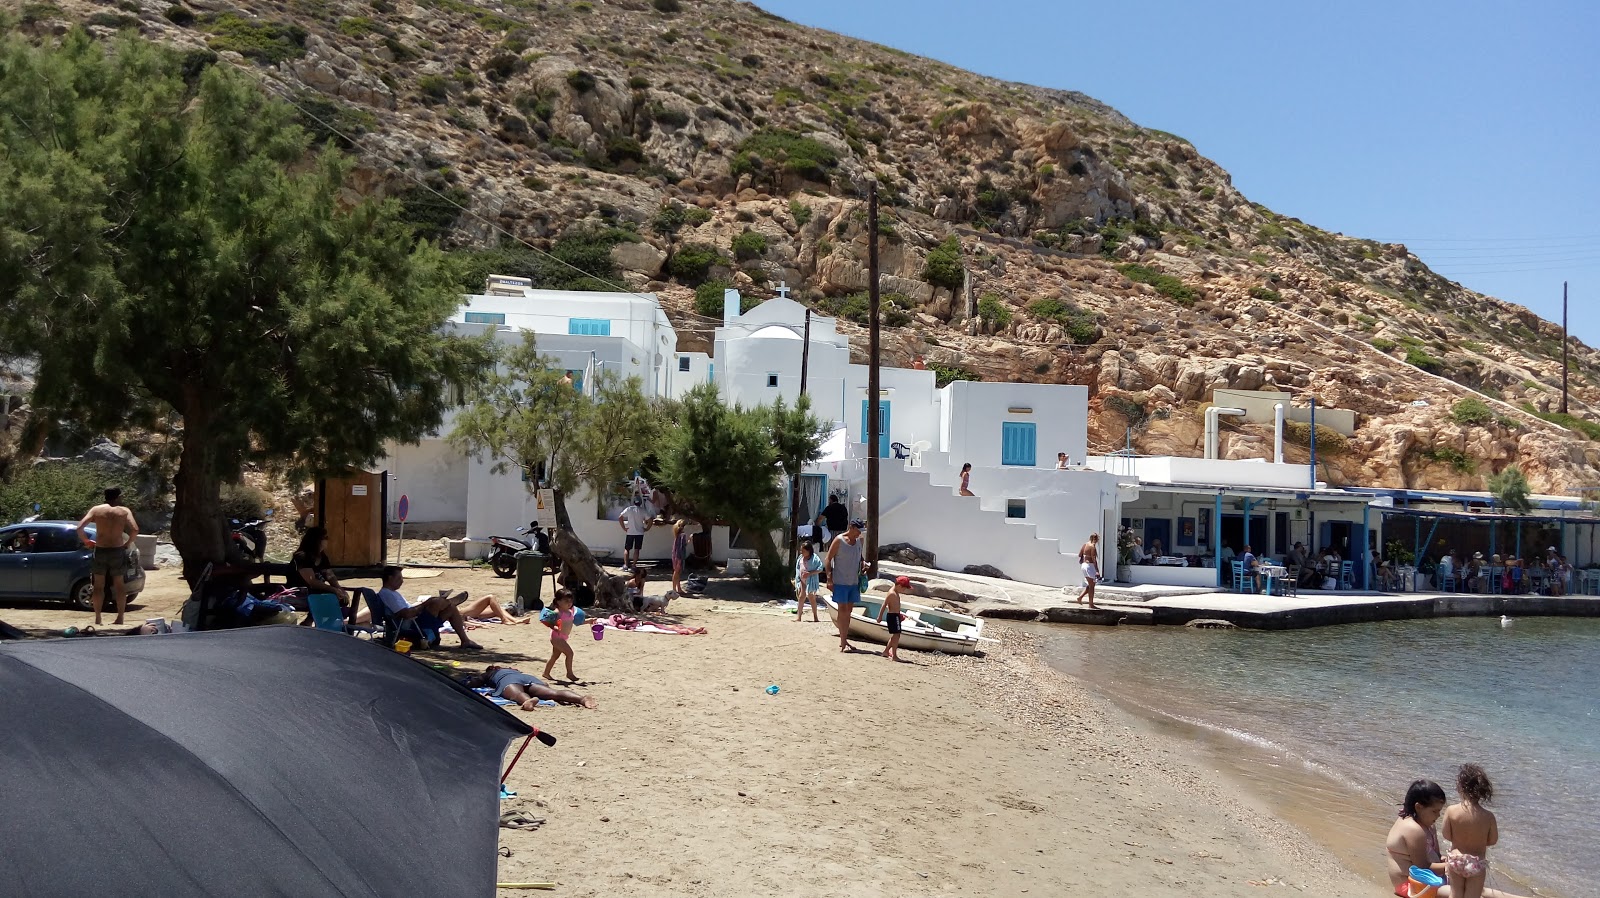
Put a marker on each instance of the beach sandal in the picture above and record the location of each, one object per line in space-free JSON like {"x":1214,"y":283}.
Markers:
{"x":520,"y":820}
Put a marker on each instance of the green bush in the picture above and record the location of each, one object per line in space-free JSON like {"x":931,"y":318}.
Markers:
{"x":668,"y":219}
{"x":708,"y":299}
{"x":434,"y":87}
{"x":1079,"y":324}
{"x":245,"y":502}
{"x":662,"y":114}
{"x":1472,"y":411}
{"x":1383,"y":345}
{"x":943,"y":267}
{"x":1165,"y":284}
{"x":431,"y":212}
{"x":258,"y":39}
{"x":638,"y":82}
{"x":622,"y":149}
{"x":800,"y":211}
{"x":64,"y":491}
{"x":1266,"y":293}
{"x":1455,"y":458}
{"x":580,"y":81}
{"x":749,"y":245}
{"x":695,"y":216}
{"x":501,"y":66}
{"x":788,"y":150}
{"x":993,"y":311}
{"x":691,"y":263}
{"x":944,"y":375}
{"x":1587,"y":428}
{"x":1417,"y":356}
{"x":1128,"y":408}
{"x":328,"y":119}
{"x":356,"y":26}
{"x":1329,"y":441}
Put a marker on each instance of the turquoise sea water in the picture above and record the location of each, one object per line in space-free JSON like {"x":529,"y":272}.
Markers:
{"x":1374,"y":706}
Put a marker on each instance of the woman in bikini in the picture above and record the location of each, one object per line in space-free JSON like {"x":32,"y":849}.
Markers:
{"x":1412,"y":841}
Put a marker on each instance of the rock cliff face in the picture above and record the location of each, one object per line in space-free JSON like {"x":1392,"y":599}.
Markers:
{"x":1086,"y":249}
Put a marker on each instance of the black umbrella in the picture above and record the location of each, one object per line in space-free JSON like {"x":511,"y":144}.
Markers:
{"x":265,"y":761}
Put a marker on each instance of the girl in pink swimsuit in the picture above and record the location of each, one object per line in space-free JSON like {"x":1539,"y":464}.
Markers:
{"x":1471,"y":830}
{"x":561,"y":633}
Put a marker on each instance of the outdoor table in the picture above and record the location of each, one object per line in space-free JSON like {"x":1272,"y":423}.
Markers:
{"x":1272,"y":572}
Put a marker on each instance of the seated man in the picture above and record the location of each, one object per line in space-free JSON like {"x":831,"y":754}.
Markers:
{"x":1136,"y":553}
{"x":524,"y":689}
{"x":1252,"y":568}
{"x":431,"y":614}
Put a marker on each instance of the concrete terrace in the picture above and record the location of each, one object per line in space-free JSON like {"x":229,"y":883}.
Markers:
{"x":1175,"y":606}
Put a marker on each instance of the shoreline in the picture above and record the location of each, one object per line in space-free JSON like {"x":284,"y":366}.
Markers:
{"x":1344,"y":818}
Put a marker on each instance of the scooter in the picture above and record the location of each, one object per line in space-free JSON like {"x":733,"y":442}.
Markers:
{"x":249,"y":539}
{"x":503,"y":554}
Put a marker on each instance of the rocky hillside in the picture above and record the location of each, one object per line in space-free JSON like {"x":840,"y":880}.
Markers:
{"x":1028,"y":234}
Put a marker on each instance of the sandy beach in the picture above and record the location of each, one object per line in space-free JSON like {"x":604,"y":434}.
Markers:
{"x":945,"y":775}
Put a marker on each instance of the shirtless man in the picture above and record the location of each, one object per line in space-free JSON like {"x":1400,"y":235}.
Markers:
{"x":114,"y":530}
{"x":1089,"y":560}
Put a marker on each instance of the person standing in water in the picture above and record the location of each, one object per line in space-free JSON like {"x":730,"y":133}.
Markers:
{"x":114,"y":530}
{"x":1412,"y":841}
{"x":1089,"y":561}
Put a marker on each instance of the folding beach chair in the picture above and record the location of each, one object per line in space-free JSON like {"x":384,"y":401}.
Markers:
{"x":326,"y":612}
{"x":388,"y":630}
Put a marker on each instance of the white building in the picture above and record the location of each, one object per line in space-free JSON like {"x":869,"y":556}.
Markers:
{"x":1026,"y":517}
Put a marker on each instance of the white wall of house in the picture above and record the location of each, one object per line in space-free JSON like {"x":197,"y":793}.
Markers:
{"x":974,"y":414}
{"x":909,"y":396}
{"x":433,"y":478}
{"x":689,"y":370}
{"x":1242,"y":473}
{"x":637,"y":337}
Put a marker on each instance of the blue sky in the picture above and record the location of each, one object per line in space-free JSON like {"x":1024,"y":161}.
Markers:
{"x":1470,"y":131}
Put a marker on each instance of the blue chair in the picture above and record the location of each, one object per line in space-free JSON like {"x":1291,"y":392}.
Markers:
{"x":326,"y":612}
{"x":1347,"y":575}
{"x":1241,"y":583}
{"x":1447,"y":582}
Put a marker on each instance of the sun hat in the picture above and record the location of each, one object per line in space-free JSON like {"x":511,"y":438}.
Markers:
{"x":1477,"y":556}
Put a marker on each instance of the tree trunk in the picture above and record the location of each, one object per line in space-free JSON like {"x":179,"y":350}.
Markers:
{"x":197,"y":516}
{"x":610,"y":590}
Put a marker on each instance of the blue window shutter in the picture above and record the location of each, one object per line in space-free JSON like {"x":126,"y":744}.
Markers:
{"x":864,"y":431}
{"x":486,"y":318}
{"x":589,"y":327}
{"x":1017,"y":441}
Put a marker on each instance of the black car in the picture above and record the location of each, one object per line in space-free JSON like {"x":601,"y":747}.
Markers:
{"x":46,"y":560}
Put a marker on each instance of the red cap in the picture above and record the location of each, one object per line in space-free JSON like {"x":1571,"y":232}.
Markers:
{"x":902,"y":581}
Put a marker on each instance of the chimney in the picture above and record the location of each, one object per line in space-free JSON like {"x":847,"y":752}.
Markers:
{"x":730,"y":306}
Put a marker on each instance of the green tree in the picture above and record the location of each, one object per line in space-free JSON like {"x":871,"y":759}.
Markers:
{"x":1511,"y":490}
{"x":527,"y":416}
{"x":175,"y":247}
{"x":723,"y":463}
{"x":797,"y":437}
{"x":943,"y":267}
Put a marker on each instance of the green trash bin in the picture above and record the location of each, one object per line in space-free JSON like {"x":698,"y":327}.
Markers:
{"x":530,"y":578}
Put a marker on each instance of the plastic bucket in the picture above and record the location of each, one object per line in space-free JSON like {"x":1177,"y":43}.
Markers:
{"x":1423,"y":883}
{"x":599,"y":631}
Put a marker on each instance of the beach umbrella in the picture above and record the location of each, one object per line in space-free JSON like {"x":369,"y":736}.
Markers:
{"x":264,"y":761}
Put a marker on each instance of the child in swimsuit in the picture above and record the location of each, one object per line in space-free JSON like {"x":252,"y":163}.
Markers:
{"x":889,"y":612}
{"x":561,"y":634}
{"x":1471,"y":830}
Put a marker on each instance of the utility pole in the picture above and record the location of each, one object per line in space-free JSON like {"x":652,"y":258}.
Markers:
{"x":874,"y":422}
{"x":794,"y":488}
{"x":1563,"y":347}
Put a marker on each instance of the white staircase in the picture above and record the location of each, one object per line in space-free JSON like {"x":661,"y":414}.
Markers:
{"x":921,"y":506}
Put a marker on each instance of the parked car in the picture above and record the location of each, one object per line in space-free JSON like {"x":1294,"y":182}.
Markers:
{"x":46,"y":560}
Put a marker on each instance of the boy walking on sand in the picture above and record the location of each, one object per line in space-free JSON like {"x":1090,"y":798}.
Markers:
{"x":889,"y":614}
{"x":1089,"y":560}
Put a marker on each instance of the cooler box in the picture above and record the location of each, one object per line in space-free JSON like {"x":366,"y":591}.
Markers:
{"x":530,"y":579}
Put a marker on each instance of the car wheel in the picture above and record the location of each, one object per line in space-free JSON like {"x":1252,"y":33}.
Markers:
{"x":81,"y":596}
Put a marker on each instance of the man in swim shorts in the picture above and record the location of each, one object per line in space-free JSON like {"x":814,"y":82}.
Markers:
{"x":1089,"y":562}
{"x":114,"y":530}
{"x":846,"y":562}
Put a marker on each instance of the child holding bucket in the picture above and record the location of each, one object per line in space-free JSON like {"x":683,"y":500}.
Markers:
{"x":561,"y":632}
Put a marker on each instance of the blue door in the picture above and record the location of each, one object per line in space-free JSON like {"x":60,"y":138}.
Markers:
{"x":1018,"y":443}
{"x":883,"y":425}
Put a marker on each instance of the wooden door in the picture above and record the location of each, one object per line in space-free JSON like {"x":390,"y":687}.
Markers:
{"x":352,"y":508}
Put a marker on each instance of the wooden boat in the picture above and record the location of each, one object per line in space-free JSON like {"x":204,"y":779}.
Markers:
{"x":924,"y":629}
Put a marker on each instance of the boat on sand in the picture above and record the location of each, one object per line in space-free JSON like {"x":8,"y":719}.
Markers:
{"x":925,"y":629}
